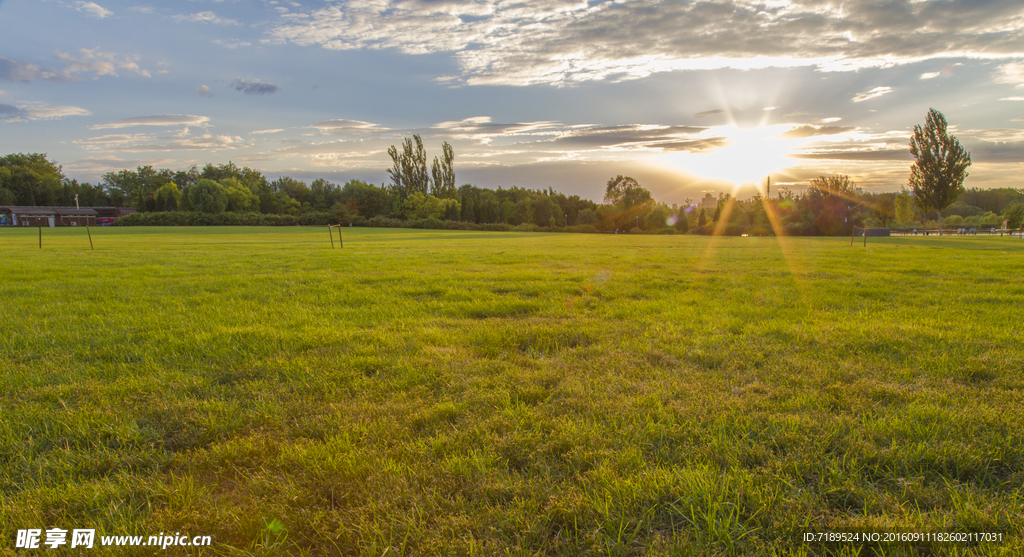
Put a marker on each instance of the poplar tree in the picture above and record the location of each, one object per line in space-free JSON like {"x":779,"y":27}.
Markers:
{"x":937,"y":176}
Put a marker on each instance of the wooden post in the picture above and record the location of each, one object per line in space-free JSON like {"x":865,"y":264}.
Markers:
{"x":865,"y":236}
{"x":339,"y":237}
{"x":90,"y":236}
{"x":852,"y":235}
{"x":331,"y":234}
{"x":40,"y":236}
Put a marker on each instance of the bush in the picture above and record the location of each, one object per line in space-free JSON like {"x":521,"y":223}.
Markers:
{"x":635,"y":230}
{"x":224,"y":219}
{"x":583,"y":228}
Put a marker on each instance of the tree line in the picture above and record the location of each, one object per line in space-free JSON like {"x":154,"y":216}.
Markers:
{"x":831,"y":205}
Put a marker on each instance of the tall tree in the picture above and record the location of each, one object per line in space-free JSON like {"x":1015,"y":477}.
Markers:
{"x":443,"y":173}
{"x":625,"y":190}
{"x":937,"y":176}
{"x":409,"y":168}
{"x":903,"y":206}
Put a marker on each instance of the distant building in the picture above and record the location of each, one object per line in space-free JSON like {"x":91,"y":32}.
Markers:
{"x":708,"y":202}
{"x":59,"y":216}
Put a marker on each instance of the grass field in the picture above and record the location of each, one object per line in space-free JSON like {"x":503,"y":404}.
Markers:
{"x":471,"y":393}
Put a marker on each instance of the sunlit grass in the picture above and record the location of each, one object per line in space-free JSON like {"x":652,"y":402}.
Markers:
{"x":460,"y":393}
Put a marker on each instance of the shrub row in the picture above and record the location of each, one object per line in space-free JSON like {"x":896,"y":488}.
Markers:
{"x":183,"y":218}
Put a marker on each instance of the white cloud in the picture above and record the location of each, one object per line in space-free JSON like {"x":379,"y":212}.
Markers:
{"x":556,"y":42}
{"x":1012,"y":99}
{"x":872,"y":94}
{"x":101,"y":63}
{"x":206,"y":17}
{"x":1011,"y":73}
{"x":347,"y":127}
{"x":261,"y":132}
{"x":93,"y":9}
{"x":231,"y":44}
{"x":930,"y":75}
{"x":204,"y":91}
{"x":27,"y":112}
{"x":161,"y":120}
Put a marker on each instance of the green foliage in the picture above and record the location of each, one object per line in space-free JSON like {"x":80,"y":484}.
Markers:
{"x":1015,"y":215}
{"x":207,"y":196}
{"x":940,"y":167}
{"x":443,"y":174}
{"x":409,"y":169}
{"x":31,"y":179}
{"x":167,"y":198}
{"x":625,"y":191}
{"x":682,"y":220}
{"x":240,"y":199}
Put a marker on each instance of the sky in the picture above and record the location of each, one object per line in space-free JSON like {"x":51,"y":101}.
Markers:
{"x":688,"y":97}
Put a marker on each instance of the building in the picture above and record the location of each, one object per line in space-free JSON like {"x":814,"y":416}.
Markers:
{"x":709,"y":203}
{"x":59,"y":216}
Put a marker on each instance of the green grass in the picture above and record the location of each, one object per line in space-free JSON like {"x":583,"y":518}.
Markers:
{"x":470,"y":393}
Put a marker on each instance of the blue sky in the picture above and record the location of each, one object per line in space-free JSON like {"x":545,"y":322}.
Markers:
{"x":685,"y":96}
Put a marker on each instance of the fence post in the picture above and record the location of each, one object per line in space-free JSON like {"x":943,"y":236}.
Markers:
{"x":90,"y":237}
{"x":40,"y":236}
{"x":852,"y":234}
{"x":331,"y":234}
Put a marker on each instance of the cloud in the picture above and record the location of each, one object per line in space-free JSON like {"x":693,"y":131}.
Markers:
{"x":93,"y":9}
{"x":38,"y":111}
{"x":139,"y":143}
{"x":801,"y":132}
{"x":707,"y":113}
{"x":874,"y":93}
{"x":261,"y":132}
{"x":205,"y":17}
{"x":161,"y":120}
{"x":204,"y":91}
{"x":635,"y":136}
{"x":1011,"y":73}
{"x":254,"y":87}
{"x":100,"y":63}
{"x":11,"y":70}
{"x":857,"y":155}
{"x":560,"y":43}
{"x":930,"y":75}
{"x":1012,"y":99}
{"x":347,"y":127}
{"x":232,"y":44}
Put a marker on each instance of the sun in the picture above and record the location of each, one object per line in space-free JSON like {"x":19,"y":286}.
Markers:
{"x":738,"y":156}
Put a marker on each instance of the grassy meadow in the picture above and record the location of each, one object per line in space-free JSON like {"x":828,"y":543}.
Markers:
{"x":472,"y":393}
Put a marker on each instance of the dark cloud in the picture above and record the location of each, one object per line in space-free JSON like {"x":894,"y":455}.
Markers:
{"x":1004,"y":151}
{"x":632,"y":135}
{"x":858,"y":155}
{"x":556,"y":42}
{"x":11,"y":113}
{"x":707,"y":113}
{"x":254,"y":87}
